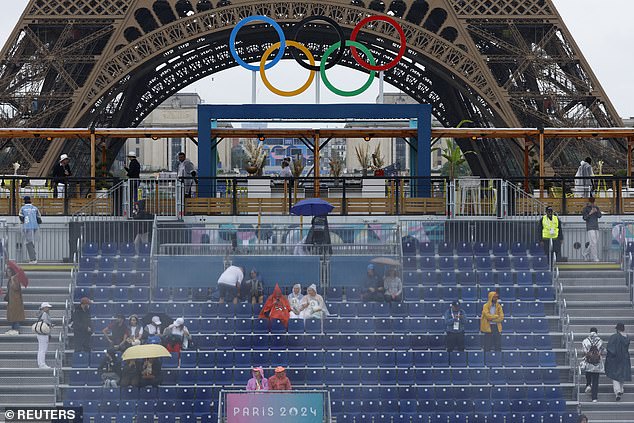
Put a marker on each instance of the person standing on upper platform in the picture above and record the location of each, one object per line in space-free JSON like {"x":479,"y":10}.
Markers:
{"x":61,"y":171}
{"x":31,"y":219}
{"x":550,"y":230}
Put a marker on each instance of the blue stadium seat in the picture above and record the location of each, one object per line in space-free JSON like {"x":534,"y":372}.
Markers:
{"x":536,"y":249}
{"x":543,"y":278}
{"x":502,"y":263}
{"x":125,"y":264}
{"x":507,"y":293}
{"x":106,"y":264}
{"x":334,"y":293}
{"x":458,"y":359}
{"x":481,"y":249}
{"x":526,"y":293}
{"x":500,"y":249}
{"x":446,"y":263}
{"x":410,"y":278}
{"x":426,"y":249}
{"x":143,"y":263}
{"x":81,"y":360}
{"x":120,"y":294}
{"x":445,"y":249}
{"x":505,"y":278}
{"x":101,"y":295}
{"x":180,"y":294}
{"x":464,"y":249}
{"x":464,"y":264}
{"x":127,"y":279}
{"x":429,"y":278}
{"x":441,"y":377}
{"x":483,"y":264}
{"x":448,"y":278}
{"x":469,"y":293}
{"x":413,"y":293}
{"x":144,"y":249}
{"x":524,"y":278}
{"x":127,"y":249}
{"x":87,"y":264}
{"x":460,"y":377}
{"x":518,"y":249}
{"x":545,"y":293}
{"x":410,"y":263}
{"x":109,"y":249}
{"x":540,"y":263}
{"x":521,"y":263}
{"x":467,"y":278}
{"x":426,"y":264}
{"x":410,"y":246}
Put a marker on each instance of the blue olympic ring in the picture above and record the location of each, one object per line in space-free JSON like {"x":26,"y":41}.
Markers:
{"x":234,"y":33}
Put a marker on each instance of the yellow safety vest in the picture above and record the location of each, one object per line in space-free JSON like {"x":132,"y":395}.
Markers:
{"x":548,"y":225}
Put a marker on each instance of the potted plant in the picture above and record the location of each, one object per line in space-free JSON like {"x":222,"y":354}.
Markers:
{"x":256,"y":156}
{"x":363,"y":156}
{"x":336,"y":166}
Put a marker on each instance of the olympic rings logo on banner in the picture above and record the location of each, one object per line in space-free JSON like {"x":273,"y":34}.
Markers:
{"x":331,"y":57}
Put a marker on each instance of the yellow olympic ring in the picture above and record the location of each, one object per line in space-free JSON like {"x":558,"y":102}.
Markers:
{"x":270,"y":86}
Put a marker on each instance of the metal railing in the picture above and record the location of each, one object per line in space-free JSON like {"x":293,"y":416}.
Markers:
{"x":51,"y":242}
{"x":568,"y":339}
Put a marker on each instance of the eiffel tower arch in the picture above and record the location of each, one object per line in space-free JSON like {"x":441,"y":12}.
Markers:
{"x":499,"y":63}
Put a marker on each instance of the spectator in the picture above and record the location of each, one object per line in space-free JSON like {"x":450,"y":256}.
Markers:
{"x":258,"y":382}
{"x":279,"y":381}
{"x":15,"y":305}
{"x":176,"y":336}
{"x":550,"y":230}
{"x":187,"y":173}
{"x":43,"y":338}
{"x":295,"y":299}
{"x":393,"y":286}
{"x":61,"y":172}
{"x":583,"y":178}
{"x":151,"y":372}
{"x":133,"y":172}
{"x":110,"y":369}
{"x":130,"y":375}
{"x":455,"y":320}
{"x":81,"y":323}
{"x":491,"y":323}
{"x":135,"y":332}
{"x":229,"y":284}
{"x":152,"y":331}
{"x":31,"y":220}
{"x":374,"y":287}
{"x":117,"y":332}
{"x":276,"y":307}
{"x":617,"y":363}
{"x":313,"y":305}
{"x":286,"y":169}
{"x":253,"y":289}
{"x":583,"y":419}
{"x":592,"y":362}
{"x":592,"y":214}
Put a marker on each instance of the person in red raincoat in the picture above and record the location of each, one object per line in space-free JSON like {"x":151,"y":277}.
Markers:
{"x":276,"y":307}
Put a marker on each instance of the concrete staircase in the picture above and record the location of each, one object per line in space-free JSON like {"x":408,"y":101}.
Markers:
{"x":21,"y":381}
{"x":596,"y":295}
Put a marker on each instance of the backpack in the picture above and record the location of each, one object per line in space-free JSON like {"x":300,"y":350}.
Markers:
{"x":593,"y":356}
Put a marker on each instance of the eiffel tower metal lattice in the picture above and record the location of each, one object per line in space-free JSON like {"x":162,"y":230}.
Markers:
{"x":504,"y":63}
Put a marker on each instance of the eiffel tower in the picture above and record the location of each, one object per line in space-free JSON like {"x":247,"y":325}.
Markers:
{"x":109,"y":63}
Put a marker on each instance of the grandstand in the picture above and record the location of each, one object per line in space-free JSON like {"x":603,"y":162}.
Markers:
{"x":380,"y":362}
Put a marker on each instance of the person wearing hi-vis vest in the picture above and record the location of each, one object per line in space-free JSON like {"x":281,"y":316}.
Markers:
{"x":550,"y":229}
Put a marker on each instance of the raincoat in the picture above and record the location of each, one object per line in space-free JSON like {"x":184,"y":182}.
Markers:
{"x":276,"y":307}
{"x":487,"y":317}
{"x":258,"y":385}
{"x":617,"y":364}
{"x":294,"y":300}
{"x":313,"y":307}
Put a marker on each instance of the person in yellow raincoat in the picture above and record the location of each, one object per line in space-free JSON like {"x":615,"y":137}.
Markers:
{"x":491,"y":323}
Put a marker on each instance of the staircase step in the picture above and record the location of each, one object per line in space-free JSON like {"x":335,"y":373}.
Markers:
{"x":41,"y":400}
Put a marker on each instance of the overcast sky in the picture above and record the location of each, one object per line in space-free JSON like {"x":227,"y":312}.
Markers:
{"x":602,"y":29}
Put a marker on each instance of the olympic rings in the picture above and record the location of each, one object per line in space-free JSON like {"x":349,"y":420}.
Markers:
{"x":336,"y":90}
{"x":337,"y":28}
{"x":325,"y":63}
{"x":401,"y":51}
{"x":243,"y":22}
{"x":301,"y":89}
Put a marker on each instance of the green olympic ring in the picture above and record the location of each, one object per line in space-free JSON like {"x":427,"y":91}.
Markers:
{"x":324,"y":77}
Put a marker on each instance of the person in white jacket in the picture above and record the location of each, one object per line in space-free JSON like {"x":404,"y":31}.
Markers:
{"x":42,"y":340}
{"x":593,"y":362}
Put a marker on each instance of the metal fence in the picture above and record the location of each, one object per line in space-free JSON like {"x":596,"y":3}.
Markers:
{"x":52,"y":243}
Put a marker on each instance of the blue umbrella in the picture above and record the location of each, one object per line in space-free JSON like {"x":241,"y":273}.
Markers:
{"x":312,"y":207}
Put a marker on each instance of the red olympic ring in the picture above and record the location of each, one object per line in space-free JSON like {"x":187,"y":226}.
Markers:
{"x":401,"y":51}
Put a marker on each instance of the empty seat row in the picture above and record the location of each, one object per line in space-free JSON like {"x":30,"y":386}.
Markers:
{"x":132,"y":278}
{"x":412,"y":247}
{"x":112,"y":249}
{"x":332,"y":359}
{"x":473,"y":278}
{"x":477,"y":263}
{"x":109,"y":264}
{"x":506,"y":293}
{"x":349,"y":377}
